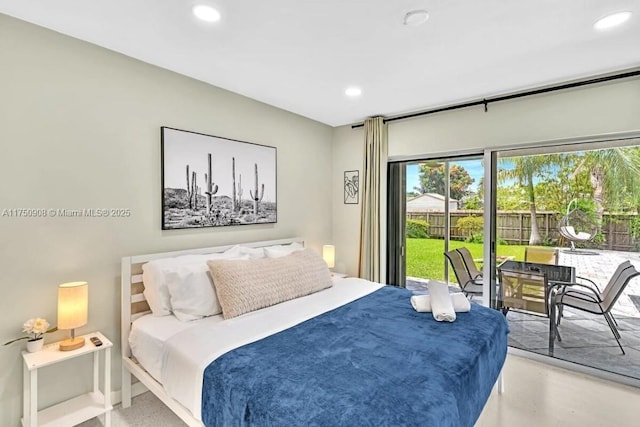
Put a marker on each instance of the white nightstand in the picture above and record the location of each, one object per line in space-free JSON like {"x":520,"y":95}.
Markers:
{"x":76,"y":410}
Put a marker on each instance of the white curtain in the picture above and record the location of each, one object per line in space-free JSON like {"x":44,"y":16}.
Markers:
{"x":374,"y":173}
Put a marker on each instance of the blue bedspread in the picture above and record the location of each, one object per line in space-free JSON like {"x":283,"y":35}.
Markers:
{"x":373,"y":362}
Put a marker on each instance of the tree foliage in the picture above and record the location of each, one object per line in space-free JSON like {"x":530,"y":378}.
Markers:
{"x":524,"y":170}
{"x":432,"y":180}
{"x":614,"y":174}
{"x":555,"y":191}
{"x":600,"y":180}
{"x":472,"y":202}
{"x":511,"y":198}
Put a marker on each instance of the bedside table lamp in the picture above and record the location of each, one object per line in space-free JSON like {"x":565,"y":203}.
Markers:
{"x":329,"y":255}
{"x":73,"y":304}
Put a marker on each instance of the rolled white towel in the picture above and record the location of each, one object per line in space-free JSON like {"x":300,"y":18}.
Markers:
{"x":422,"y":303}
{"x":441,"y":306}
{"x":460,"y":302}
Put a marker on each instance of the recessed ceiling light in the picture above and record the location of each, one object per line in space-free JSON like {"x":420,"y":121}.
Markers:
{"x":206,"y":13}
{"x":416,"y":17}
{"x":612,"y":20}
{"x":353,"y":91}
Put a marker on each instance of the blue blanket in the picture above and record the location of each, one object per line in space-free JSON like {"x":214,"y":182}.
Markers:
{"x":373,"y":362}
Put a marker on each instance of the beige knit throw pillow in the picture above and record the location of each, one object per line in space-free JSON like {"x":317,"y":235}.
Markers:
{"x":244,"y":286}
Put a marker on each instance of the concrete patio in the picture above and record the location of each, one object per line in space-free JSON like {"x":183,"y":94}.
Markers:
{"x":586,"y":338}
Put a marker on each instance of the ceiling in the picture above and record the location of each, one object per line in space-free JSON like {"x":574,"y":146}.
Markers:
{"x":300,"y":55}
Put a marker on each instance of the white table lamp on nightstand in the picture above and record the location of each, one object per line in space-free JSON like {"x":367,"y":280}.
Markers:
{"x":73,"y":305}
{"x":329,"y":255}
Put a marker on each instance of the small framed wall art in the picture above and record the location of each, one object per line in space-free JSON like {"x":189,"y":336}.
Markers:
{"x":351,"y":187}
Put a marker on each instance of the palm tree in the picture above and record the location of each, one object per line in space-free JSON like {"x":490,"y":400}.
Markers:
{"x":524,"y":169}
{"x":614,"y":174}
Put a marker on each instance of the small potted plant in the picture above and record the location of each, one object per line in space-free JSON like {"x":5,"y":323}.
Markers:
{"x":36,"y":328}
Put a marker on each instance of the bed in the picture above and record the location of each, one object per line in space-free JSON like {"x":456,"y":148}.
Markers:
{"x":355,"y":353}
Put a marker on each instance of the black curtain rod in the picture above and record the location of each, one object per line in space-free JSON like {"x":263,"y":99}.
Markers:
{"x":486,"y":101}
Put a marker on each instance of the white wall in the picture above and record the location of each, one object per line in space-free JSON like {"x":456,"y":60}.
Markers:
{"x":80,"y":128}
{"x":608,"y":108}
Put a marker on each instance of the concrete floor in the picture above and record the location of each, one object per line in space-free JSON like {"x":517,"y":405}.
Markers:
{"x":586,"y":338}
{"x":537,"y":394}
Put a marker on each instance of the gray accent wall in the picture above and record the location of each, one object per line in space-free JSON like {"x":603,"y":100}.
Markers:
{"x":80,"y":128}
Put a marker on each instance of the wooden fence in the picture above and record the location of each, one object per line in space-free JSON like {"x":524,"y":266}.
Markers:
{"x":514,"y":227}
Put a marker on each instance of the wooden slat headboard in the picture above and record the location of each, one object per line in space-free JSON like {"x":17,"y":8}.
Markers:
{"x":134,"y":304}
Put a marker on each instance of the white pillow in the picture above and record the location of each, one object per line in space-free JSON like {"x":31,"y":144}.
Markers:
{"x":155,"y":287}
{"x":239,"y":250}
{"x":278,"y":251}
{"x":191,"y":292}
{"x":155,"y":281}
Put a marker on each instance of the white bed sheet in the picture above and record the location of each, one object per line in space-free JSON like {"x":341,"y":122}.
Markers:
{"x":187,"y":352}
{"x":149,"y":335}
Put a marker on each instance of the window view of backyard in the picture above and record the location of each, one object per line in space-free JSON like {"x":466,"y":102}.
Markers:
{"x":572,"y":216}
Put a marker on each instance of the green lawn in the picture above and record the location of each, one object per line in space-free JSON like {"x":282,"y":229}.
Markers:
{"x":425,"y":257}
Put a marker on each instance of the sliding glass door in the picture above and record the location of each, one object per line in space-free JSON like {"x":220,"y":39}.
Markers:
{"x":434,"y":205}
{"x":567,"y":214}
{"x":536,"y":220}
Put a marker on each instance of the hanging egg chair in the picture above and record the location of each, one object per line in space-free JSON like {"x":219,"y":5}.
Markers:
{"x":577,"y":226}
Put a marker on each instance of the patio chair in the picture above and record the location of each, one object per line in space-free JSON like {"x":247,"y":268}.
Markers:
{"x":579,"y":219}
{"x":587,"y":297}
{"x":469,"y":286}
{"x":470,"y":265}
{"x":569,"y":233}
{"x":524,"y":291}
{"x":541,"y":255}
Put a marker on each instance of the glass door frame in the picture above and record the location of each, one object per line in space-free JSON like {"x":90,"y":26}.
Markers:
{"x":489,"y":269}
{"x":396,"y":248}
{"x":490,"y":208}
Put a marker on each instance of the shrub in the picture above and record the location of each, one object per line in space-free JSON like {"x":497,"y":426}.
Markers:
{"x":475,"y":238}
{"x":417,"y":229}
{"x":634,"y":226}
{"x":471,"y":227}
{"x":549,"y":241}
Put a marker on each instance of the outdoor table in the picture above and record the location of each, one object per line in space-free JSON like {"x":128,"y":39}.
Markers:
{"x":556,"y":276}
{"x":500,"y":260}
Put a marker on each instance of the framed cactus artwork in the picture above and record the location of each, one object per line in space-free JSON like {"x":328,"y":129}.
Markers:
{"x":210,"y":181}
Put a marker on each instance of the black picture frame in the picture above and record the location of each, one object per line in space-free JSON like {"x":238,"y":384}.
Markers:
{"x":211,"y":181}
{"x":351,"y":187}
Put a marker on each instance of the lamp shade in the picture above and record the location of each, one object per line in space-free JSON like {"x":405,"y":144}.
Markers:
{"x":329,"y":255}
{"x":73,"y":305}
